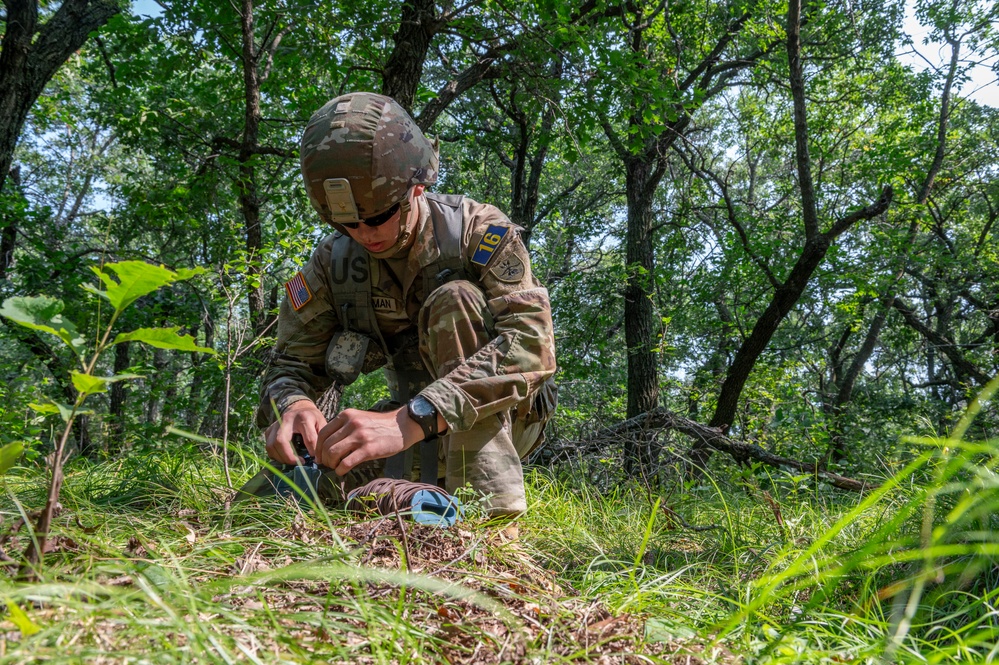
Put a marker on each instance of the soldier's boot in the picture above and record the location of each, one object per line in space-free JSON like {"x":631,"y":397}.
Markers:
{"x":455,"y":325}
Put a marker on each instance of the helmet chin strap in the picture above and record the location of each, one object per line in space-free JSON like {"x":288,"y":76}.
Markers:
{"x":405,"y":233}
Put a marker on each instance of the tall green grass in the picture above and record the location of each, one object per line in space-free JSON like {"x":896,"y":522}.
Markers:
{"x":908,"y":572}
{"x":769,"y":567}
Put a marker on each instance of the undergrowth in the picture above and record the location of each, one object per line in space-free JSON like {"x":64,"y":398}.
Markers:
{"x":149,"y":564}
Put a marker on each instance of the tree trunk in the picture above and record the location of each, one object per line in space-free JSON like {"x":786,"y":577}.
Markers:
{"x":116,"y":403}
{"x":249,"y":201}
{"x":155,"y":402}
{"x":8,"y":224}
{"x":845,"y":383}
{"x":782,"y":302}
{"x":814,"y":251}
{"x":404,"y":67}
{"x":31,"y":55}
{"x":639,"y":317}
{"x":947,"y":346}
{"x":198,"y":369}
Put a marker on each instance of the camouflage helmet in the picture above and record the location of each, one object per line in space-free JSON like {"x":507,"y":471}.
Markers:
{"x":360,"y":154}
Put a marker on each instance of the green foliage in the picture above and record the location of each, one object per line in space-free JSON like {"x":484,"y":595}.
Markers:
{"x":135,"y":279}
{"x":45,"y":314}
{"x":9,"y":454}
{"x":134,"y":153}
{"x":162,"y":338}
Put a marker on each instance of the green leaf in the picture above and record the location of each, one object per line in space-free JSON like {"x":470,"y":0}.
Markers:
{"x":21,"y":620}
{"x":137,"y":279}
{"x":44,"y":409}
{"x":90,"y":288}
{"x":162,"y":338}
{"x":88,"y":384}
{"x":122,"y":377}
{"x":52,"y":408}
{"x":9,"y":454}
{"x":187,"y":273}
{"x":43,"y":313}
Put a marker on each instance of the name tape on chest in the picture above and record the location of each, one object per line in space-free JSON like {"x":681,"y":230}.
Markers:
{"x":383,"y":304}
{"x":490,"y":241}
{"x":298,"y":291}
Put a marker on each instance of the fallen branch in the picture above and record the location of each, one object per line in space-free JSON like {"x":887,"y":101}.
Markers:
{"x":713,"y":437}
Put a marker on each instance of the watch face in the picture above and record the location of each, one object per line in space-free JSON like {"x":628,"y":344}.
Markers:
{"x":422,"y":408}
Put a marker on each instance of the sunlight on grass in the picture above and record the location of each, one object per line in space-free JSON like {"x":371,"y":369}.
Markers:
{"x":146,"y":560}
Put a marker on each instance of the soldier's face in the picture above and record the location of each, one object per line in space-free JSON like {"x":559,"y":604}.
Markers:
{"x":381,"y":238}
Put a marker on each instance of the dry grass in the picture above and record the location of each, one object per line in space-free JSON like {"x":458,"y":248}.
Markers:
{"x":375,"y":591}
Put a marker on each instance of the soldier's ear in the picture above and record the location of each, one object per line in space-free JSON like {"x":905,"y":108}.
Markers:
{"x":418,"y":190}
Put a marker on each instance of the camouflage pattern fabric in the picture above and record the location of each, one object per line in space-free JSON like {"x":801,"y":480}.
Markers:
{"x":459,"y":339}
{"x":340,"y":141}
{"x":487,"y":348}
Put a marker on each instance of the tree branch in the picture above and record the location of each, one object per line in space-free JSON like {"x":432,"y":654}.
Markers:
{"x":712,"y":436}
{"x":867,"y":212}
{"x":946,"y":346}
{"x":810,"y":215}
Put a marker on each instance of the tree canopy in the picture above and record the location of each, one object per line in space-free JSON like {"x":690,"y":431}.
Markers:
{"x":753,"y":215}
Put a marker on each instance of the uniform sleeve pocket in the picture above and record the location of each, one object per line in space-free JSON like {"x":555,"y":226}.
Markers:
{"x":318,"y":302}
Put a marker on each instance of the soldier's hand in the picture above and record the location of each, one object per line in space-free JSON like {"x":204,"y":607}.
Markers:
{"x":302,"y":417}
{"x":354,"y":436}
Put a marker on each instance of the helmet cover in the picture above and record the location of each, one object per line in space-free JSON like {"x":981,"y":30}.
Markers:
{"x":372,"y":142}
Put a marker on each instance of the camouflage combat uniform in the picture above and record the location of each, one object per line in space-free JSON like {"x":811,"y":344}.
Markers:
{"x":480,"y":348}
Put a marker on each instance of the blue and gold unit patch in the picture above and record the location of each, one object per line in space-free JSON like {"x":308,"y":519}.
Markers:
{"x":298,"y":291}
{"x":487,"y":246}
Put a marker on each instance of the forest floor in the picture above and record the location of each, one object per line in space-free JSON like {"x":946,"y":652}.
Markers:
{"x":148,"y":567}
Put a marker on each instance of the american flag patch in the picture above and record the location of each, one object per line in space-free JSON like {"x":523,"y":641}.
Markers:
{"x":298,"y":291}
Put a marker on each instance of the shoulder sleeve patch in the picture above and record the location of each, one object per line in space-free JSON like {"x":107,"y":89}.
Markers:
{"x":490,"y":241}
{"x":298,"y":291}
{"x":510,"y":269}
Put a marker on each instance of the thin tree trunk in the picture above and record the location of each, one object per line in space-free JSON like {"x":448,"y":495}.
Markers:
{"x":154,"y":406}
{"x":947,"y":347}
{"x":639,"y":316}
{"x":9,"y":225}
{"x":198,"y":369}
{"x":116,"y":405}
{"x":249,"y":201}
{"x":846,"y":383}
{"x":813,"y":253}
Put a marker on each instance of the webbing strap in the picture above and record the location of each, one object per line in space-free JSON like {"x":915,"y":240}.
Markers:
{"x":400,"y":464}
{"x":351,"y":280}
{"x":428,"y":460}
{"x":445,"y":213}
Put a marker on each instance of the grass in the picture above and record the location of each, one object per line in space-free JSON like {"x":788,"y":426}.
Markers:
{"x":148,"y":566}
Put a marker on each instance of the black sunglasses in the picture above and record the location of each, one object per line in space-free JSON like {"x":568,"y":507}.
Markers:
{"x":375,"y":221}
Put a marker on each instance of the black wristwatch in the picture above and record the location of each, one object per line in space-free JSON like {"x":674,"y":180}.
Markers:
{"x":425,"y":414}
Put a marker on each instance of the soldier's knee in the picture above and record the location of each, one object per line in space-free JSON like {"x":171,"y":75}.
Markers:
{"x":455,"y":322}
{"x":459,"y":295}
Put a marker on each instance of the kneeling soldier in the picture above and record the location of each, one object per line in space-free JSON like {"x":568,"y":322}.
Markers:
{"x":436,"y":289}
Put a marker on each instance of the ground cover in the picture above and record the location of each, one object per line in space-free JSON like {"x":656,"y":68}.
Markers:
{"x":148,"y":565}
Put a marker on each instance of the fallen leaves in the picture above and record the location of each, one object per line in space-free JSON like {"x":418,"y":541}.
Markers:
{"x":531,"y":615}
